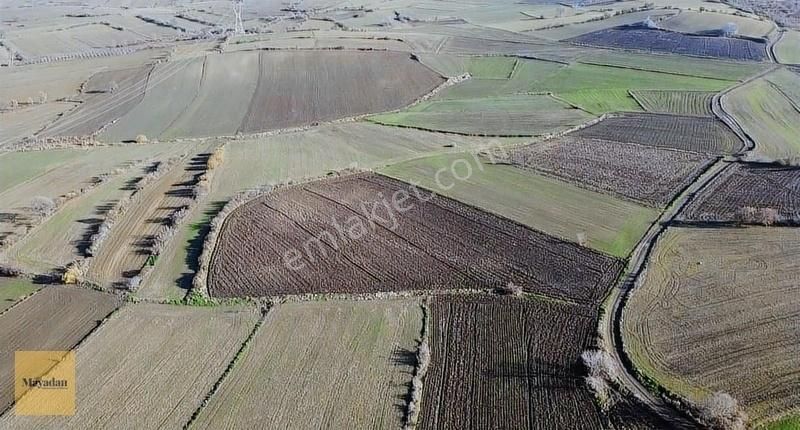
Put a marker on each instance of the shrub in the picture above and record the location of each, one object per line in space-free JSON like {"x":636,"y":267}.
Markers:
{"x":141,"y":138}
{"x":133,"y":283}
{"x":511,"y":289}
{"x":43,"y":206}
{"x":215,"y":159}
{"x":73,"y":274}
{"x":10,"y":271}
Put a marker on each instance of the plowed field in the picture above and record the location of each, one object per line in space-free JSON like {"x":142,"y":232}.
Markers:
{"x":301,"y":240}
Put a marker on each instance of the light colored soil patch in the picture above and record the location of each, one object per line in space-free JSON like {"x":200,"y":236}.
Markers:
{"x":152,"y":364}
{"x":717,"y":311}
{"x":322,"y":364}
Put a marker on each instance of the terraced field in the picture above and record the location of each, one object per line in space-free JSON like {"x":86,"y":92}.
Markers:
{"x":351,"y":367}
{"x":27,"y":121}
{"x":602,"y":222}
{"x":717,"y":311}
{"x":158,"y":361}
{"x":53,"y":319}
{"x":687,"y":133}
{"x":348,"y":235}
{"x":787,"y":50}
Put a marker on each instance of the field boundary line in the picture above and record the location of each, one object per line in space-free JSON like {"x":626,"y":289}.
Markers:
{"x":75,"y":348}
{"x":229,"y":368}
{"x":611,"y":321}
{"x":24,"y":298}
{"x":643,"y":69}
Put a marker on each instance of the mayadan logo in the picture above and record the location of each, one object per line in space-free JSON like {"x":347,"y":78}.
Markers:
{"x":52,"y":383}
{"x":44,"y":383}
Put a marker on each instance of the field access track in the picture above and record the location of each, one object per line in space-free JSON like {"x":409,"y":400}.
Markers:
{"x":301,"y":240}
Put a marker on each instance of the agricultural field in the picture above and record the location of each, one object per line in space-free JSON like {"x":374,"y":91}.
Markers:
{"x":342,"y":235}
{"x":12,"y":290}
{"x":654,"y":40}
{"x":129,"y":244}
{"x":603,"y":89}
{"x":341,"y":84}
{"x":649,"y":175}
{"x":53,"y":319}
{"x":717,"y":311}
{"x":514,"y":361}
{"x":63,"y":79}
{"x":66,"y":235}
{"x":509,"y":116}
{"x":105,"y":97}
{"x":692,"y":103}
{"x":770,"y":118}
{"x":555,"y":207}
{"x":718,"y":69}
{"x":574,"y":30}
{"x":687,"y":133}
{"x":402,"y":213}
{"x":64,"y":175}
{"x":747,"y":188}
{"x":787,"y":50}
{"x":715,"y":23}
{"x":28,"y":120}
{"x":477,"y":67}
{"x":524,"y":75}
{"x":250,"y":163}
{"x":155,"y":363}
{"x":351,"y":368}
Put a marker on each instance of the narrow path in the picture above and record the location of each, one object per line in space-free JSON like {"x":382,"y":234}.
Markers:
{"x":610,"y":324}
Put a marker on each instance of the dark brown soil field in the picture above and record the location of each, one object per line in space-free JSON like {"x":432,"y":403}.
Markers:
{"x":508,"y":363}
{"x":299,"y":88}
{"x":670,"y":131}
{"x":299,"y":240}
{"x":663,"y":41}
{"x":54,"y":319}
{"x":750,"y":185}
{"x":646,"y":174}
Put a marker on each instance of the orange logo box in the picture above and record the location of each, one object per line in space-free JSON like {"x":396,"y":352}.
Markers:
{"x":44,"y":382}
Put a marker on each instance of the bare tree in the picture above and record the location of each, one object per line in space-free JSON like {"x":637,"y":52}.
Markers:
{"x":721,"y":411}
{"x":141,"y":138}
{"x":42,"y":97}
{"x":730,"y":29}
{"x":43,"y":206}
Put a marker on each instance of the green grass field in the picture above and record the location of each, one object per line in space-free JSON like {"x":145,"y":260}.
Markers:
{"x":675,"y":64}
{"x":478,"y":67}
{"x":525,"y":74}
{"x":697,"y":103}
{"x":610,"y":225}
{"x":18,"y":167}
{"x":518,"y":115}
{"x":578,"y":82}
{"x":13,"y":289}
{"x":788,"y":49}
{"x":768,"y":116}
